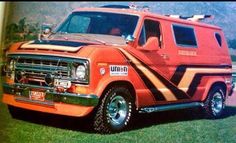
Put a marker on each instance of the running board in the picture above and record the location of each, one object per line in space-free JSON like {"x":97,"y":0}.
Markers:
{"x":170,"y":107}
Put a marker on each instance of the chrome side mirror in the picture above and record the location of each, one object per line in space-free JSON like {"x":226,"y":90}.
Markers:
{"x":129,"y":39}
{"x":45,"y":31}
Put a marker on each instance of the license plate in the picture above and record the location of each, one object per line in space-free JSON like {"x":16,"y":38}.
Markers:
{"x":37,"y":95}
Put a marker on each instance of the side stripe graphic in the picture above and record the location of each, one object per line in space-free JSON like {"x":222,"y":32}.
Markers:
{"x":53,"y":45}
{"x":180,"y":71}
{"x":178,"y":75}
{"x":191,"y":72}
{"x":157,"y":94}
{"x":197,"y":79}
{"x":183,"y":83}
{"x":169,"y":96}
{"x":176,"y":91}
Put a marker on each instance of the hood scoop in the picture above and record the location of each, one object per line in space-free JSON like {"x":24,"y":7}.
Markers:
{"x":69,"y":46}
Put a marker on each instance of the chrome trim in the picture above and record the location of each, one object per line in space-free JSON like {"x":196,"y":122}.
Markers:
{"x":40,"y":54}
{"x":22,"y":91}
{"x":168,"y":107}
{"x":117,"y":110}
{"x":24,"y":99}
{"x":60,"y":66}
{"x":217,"y":103}
{"x":31,"y":86}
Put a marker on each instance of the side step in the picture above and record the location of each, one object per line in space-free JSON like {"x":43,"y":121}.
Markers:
{"x":170,"y":107}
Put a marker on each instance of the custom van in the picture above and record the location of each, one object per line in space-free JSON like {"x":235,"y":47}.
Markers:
{"x":115,"y":61}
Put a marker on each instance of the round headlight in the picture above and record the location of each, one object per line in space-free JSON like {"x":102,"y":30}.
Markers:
{"x":11,"y":65}
{"x":10,"y":69}
{"x":80,"y":72}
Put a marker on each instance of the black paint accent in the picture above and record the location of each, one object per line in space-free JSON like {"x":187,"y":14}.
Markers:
{"x":156,"y":93}
{"x":178,"y":75}
{"x":180,"y":71}
{"x":175,"y":90}
{"x":59,"y":43}
{"x":197,"y":80}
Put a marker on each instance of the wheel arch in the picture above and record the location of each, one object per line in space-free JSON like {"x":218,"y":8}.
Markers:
{"x":215,"y":84}
{"x":120,"y":83}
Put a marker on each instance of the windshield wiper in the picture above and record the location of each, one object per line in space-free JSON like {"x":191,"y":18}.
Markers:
{"x":91,"y":39}
{"x":100,"y":41}
{"x":84,"y":37}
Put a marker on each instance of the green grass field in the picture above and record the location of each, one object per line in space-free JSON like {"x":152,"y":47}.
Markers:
{"x":176,"y":126}
{"x":185,"y":126}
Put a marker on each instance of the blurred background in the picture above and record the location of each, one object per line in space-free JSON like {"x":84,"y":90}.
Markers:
{"x":26,"y":17}
{"x":22,"y":20}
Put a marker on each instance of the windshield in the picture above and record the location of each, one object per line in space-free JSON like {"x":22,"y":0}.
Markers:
{"x":99,"y":23}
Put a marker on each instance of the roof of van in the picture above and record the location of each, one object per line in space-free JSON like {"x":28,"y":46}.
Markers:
{"x":146,"y":13}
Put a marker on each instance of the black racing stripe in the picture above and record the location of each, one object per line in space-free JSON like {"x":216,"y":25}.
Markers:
{"x":180,"y":71}
{"x":178,"y":75}
{"x":60,"y":43}
{"x":179,"y":94}
{"x":156,"y":93}
{"x":197,"y":80}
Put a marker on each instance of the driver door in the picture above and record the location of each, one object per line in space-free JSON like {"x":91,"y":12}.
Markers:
{"x":158,"y":64}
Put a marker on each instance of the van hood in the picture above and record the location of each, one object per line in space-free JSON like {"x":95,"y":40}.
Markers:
{"x":53,"y":45}
{"x":73,"y":42}
{"x":69,"y":45}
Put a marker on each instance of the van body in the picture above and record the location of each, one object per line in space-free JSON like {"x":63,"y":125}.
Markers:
{"x":113,"y":62}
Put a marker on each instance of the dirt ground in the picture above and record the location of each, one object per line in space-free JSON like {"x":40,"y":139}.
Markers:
{"x":231,"y":101}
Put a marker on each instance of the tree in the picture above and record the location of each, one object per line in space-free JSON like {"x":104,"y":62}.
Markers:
{"x":22,"y":25}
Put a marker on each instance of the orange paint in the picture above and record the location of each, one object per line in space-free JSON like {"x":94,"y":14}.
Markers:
{"x":167,"y":70}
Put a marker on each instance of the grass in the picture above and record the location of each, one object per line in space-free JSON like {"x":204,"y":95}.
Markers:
{"x":174,"y":126}
{"x":185,"y":126}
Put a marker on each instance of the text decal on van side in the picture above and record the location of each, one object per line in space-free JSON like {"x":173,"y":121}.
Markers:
{"x":118,"y":70}
{"x":187,"y":53}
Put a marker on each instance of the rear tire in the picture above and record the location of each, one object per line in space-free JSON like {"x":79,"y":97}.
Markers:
{"x":115,"y":111}
{"x":215,"y":103}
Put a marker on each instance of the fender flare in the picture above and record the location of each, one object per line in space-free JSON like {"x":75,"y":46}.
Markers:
{"x":209,"y":85}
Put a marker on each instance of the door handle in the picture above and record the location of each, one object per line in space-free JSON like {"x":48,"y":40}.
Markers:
{"x":165,"y":56}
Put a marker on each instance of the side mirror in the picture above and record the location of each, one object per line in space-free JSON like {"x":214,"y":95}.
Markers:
{"x":152,"y":44}
{"x":129,"y":39}
{"x":46,"y":30}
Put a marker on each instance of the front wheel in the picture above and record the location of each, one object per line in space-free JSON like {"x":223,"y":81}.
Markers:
{"x":114,"y":111}
{"x":215,"y":103}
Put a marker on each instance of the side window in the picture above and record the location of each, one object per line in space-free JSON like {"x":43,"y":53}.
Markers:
{"x":150,"y":29}
{"x":218,"y":38}
{"x":184,"y":36}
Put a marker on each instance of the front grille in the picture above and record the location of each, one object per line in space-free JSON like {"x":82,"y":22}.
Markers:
{"x":32,"y":69}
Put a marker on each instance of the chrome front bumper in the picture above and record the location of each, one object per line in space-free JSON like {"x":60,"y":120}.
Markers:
{"x":21,"y":93}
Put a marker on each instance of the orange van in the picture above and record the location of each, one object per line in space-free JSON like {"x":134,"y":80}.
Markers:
{"x":114,"y":61}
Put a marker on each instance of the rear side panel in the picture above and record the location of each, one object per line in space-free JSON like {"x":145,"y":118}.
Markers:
{"x":201,"y":66}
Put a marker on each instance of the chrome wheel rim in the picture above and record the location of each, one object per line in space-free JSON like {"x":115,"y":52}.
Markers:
{"x":217,"y":103}
{"x":117,"y":110}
